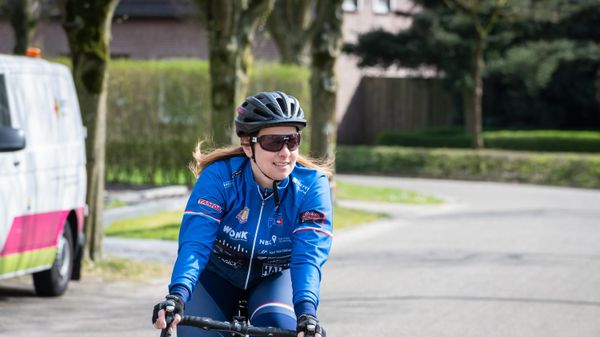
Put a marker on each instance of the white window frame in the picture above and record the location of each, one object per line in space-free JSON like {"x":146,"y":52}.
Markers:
{"x":352,"y":6}
{"x":381,"y":6}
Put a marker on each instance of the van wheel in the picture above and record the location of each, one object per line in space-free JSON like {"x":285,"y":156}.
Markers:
{"x":53,"y":282}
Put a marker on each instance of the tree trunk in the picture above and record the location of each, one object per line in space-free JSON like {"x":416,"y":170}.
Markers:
{"x":477,"y":10}
{"x":292,"y":28}
{"x":468,"y":100}
{"x":326,"y":46}
{"x":87,"y":25}
{"x":476,"y":96}
{"x":24,"y":16}
{"x":598,"y":85}
{"x":231,"y":26}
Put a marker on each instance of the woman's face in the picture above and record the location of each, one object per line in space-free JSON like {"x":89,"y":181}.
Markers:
{"x":275,"y":164}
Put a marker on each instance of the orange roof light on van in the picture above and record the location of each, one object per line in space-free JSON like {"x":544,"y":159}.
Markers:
{"x":33,"y":52}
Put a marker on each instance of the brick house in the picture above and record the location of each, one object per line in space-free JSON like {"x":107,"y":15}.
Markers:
{"x":154,"y":29}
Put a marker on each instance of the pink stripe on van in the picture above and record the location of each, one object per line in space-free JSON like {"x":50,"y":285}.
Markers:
{"x":34,"y":231}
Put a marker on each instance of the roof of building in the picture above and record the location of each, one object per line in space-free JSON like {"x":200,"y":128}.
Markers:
{"x":156,"y":8}
{"x":138,"y":8}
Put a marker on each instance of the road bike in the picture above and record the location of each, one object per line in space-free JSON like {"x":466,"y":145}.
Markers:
{"x":238,"y":327}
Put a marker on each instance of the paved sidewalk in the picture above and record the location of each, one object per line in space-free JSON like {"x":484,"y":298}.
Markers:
{"x":142,"y":201}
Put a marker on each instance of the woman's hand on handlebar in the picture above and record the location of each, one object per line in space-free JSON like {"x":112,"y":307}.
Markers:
{"x":168,"y":313}
{"x":309,"y":326}
{"x":161,"y":322}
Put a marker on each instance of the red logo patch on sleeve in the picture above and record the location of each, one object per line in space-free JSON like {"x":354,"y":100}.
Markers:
{"x":312,"y":216}
{"x":209,"y":204}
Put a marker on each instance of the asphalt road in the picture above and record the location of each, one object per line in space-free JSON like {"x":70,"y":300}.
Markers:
{"x":495,"y":260}
{"x":89,"y":308}
{"x":499,"y":260}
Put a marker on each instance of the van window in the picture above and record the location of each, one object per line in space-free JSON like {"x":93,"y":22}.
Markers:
{"x":4,"y":110}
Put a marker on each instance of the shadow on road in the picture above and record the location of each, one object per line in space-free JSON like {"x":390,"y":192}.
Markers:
{"x":12,"y":291}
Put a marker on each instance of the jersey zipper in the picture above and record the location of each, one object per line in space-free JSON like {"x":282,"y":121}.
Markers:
{"x":254,"y":243}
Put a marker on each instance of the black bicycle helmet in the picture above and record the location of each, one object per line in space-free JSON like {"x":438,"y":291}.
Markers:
{"x":267,"y":109}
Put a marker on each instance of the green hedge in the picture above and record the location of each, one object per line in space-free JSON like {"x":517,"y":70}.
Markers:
{"x":537,"y":140}
{"x":159,"y":110}
{"x":564,"y":169}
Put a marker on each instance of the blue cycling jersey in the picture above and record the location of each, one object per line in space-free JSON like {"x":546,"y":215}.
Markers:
{"x":233,"y":228}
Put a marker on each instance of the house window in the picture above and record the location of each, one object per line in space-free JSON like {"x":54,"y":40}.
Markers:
{"x":4,"y":111}
{"x":381,"y":6}
{"x":350,"y":5}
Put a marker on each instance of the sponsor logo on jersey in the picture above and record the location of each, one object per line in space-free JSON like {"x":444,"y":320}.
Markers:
{"x":299,"y":186}
{"x":280,"y":251}
{"x":268,"y":242}
{"x":276,"y":221}
{"x":284,"y":239}
{"x":233,"y":263}
{"x":209,"y":204}
{"x":312,"y":216}
{"x":269,"y":269}
{"x":235,"y":235}
{"x":242,"y":216}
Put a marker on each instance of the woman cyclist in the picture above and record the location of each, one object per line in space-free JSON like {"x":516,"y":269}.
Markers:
{"x":258,"y":225}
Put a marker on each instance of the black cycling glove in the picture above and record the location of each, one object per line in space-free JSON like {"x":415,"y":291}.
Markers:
{"x":171,"y":301}
{"x":309,"y":324}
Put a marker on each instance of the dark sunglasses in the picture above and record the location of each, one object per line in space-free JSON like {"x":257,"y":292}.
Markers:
{"x":274,"y":143}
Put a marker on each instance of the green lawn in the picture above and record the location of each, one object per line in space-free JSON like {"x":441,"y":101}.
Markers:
{"x":165,"y":225}
{"x":349,"y":191}
{"x":116,"y":269}
{"x":115,"y":204}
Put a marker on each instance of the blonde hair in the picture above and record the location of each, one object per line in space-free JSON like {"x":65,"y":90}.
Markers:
{"x":202,"y":160}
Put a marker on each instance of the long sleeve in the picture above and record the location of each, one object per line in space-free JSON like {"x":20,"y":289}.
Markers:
{"x":312,"y":238}
{"x":199,"y":226}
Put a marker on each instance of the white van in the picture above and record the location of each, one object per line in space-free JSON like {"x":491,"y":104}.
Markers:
{"x":42,"y":173}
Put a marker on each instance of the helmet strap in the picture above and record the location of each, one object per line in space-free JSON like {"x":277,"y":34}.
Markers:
{"x":275,"y":182}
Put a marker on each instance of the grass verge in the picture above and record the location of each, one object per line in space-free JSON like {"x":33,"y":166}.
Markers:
{"x":165,"y":225}
{"x":563,"y":169}
{"x":348,"y":191}
{"x":120,"y":269}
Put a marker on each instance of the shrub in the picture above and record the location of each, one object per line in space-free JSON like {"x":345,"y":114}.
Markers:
{"x":538,"y":140}
{"x":565,"y":169}
{"x":159,"y":110}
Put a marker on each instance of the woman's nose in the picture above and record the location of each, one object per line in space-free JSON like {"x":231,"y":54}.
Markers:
{"x":284,"y":150}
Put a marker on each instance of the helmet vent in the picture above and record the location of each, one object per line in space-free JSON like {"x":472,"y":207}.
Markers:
{"x":271,"y":107}
{"x":261,"y":113}
{"x":282,"y":105}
